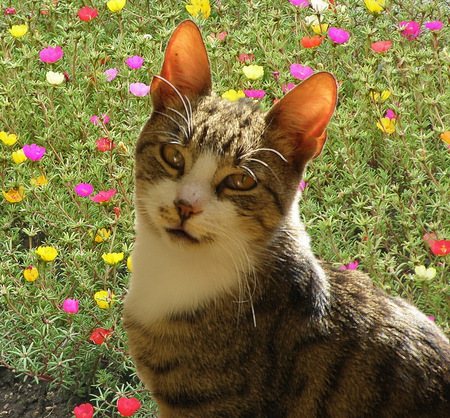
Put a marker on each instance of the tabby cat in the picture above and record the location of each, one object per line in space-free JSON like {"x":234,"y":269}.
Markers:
{"x":229,"y":314}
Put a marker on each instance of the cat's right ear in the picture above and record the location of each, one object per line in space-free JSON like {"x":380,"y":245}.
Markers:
{"x":185,"y":69}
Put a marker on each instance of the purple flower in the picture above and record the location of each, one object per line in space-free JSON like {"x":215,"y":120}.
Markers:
{"x":111,"y":74}
{"x":300,"y":3}
{"x":33,"y":152}
{"x":83,"y":189}
{"x":288,"y":87}
{"x":339,"y":36}
{"x":70,"y":306}
{"x":436,"y":25}
{"x":390,"y":114}
{"x":410,"y":29}
{"x":255,"y":94}
{"x":51,"y":54}
{"x":302,"y":186}
{"x":135,"y":62}
{"x":300,"y":71}
{"x":139,"y":89}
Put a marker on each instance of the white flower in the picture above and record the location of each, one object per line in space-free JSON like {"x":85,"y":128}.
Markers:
{"x":319,"y":6}
{"x":54,"y":78}
{"x":425,"y":273}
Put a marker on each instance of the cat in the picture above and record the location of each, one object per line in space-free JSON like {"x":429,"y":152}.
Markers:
{"x":229,"y":314}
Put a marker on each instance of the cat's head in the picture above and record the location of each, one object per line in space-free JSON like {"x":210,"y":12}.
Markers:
{"x":210,"y":171}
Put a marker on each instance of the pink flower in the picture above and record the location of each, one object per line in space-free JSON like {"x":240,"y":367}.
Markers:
{"x":339,"y":36}
{"x":128,"y":406}
{"x":288,"y":87}
{"x":10,"y":11}
{"x":246,"y":58}
{"x":111,"y":74}
{"x":390,"y":114}
{"x":139,"y":89}
{"x":104,"y":144}
{"x":381,"y":46}
{"x":85,"y":410}
{"x":352,"y":266}
{"x":255,"y":94}
{"x":302,"y":186}
{"x":83,"y":189}
{"x":96,"y":120}
{"x":103,"y":196}
{"x":87,"y":14}
{"x":71,"y":306}
{"x":300,"y":3}
{"x":135,"y":62}
{"x":51,"y":54}
{"x":431,"y":318}
{"x":33,"y":152}
{"x":410,"y":29}
{"x":436,"y":25}
{"x":300,"y":71}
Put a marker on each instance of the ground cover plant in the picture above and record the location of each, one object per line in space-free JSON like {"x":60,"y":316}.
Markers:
{"x":74,"y":92}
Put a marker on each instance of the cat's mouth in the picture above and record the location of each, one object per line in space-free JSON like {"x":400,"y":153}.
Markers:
{"x":181,"y":234}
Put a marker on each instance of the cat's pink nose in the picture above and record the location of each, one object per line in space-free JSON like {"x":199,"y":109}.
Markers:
{"x":185,"y":210}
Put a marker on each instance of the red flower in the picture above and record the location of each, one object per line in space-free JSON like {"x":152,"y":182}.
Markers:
{"x":85,"y":410}
{"x":441,"y":247}
{"x":104,"y":144}
{"x":100,"y":335}
{"x":381,"y":46}
{"x":128,"y":406}
{"x":103,"y":196}
{"x":246,"y":58}
{"x":313,"y":42}
{"x":87,"y":14}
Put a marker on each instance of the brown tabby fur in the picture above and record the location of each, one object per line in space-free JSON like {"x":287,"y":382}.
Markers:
{"x":282,"y":335}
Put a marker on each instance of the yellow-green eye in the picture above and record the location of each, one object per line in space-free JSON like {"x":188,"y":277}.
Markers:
{"x":172,"y":156}
{"x":240,"y":182}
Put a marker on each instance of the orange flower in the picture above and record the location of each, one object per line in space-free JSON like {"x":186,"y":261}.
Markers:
{"x":14,"y":196}
{"x":313,"y":42}
{"x":445,"y":136}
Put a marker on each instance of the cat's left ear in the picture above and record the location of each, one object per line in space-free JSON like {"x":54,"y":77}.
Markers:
{"x":186,"y":68}
{"x":297,"y":123}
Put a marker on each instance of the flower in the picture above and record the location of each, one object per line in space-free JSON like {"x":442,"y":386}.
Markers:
{"x":104,"y":144}
{"x":300,"y":71}
{"x":100,"y":335}
{"x":253,"y":72}
{"x":440,"y":247}
{"x":445,"y":136}
{"x":70,"y":306}
{"x":8,"y":139}
{"x":116,"y":5}
{"x":102,"y":235}
{"x":85,"y":410}
{"x":319,"y":6}
{"x":135,"y":62}
{"x":129,"y":263}
{"x":436,"y":25}
{"x":104,"y":299}
{"x":33,"y":152}
{"x":339,"y":36}
{"x":18,"y":30}
{"x":255,"y":94}
{"x":139,"y":89}
{"x":87,"y":14}
{"x":233,"y":95}
{"x":47,"y":253}
{"x":51,"y":54}
{"x":390,"y":114}
{"x":288,"y":87}
{"x":425,"y":273}
{"x":30,"y":273}
{"x":14,"y":196}
{"x":300,"y":3}
{"x":320,"y":28}
{"x":39,"y":181}
{"x":381,"y":46}
{"x":197,"y":7}
{"x":128,"y":406}
{"x":375,"y":6}
{"x":83,"y":189}
{"x":112,"y":258}
{"x":351,"y":266}
{"x":54,"y":79}
{"x":9,"y":11}
{"x":312,"y":42}
{"x":111,"y":74}
{"x":386,"y":125}
{"x":302,"y":186}
{"x":410,"y":29}
{"x":431,"y":318}
{"x":96,"y":120}
{"x":103,"y":196}
{"x":385,"y":94}
{"x":19,"y":156}
{"x":246,"y":58}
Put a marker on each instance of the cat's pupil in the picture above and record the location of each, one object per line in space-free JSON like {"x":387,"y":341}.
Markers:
{"x":172,"y":157}
{"x":240,"y":182}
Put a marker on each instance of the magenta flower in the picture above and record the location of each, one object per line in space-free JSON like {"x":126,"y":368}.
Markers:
{"x":83,"y":189}
{"x":300,"y":3}
{"x":390,"y":114}
{"x":352,"y":266}
{"x":338,"y":36}
{"x":255,"y":94}
{"x":288,"y":87}
{"x":51,"y":54}
{"x":410,"y":29}
{"x":96,"y":120}
{"x":300,"y":71}
{"x":436,"y":25}
{"x":302,"y":186}
{"x":103,"y":196}
{"x":135,"y":62}
{"x":33,"y":152}
{"x":71,"y":306}
{"x":139,"y":89}
{"x":110,"y":74}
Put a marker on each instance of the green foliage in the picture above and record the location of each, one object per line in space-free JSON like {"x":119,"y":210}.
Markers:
{"x":371,"y":195}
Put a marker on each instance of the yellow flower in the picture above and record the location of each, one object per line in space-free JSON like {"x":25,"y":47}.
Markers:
{"x":233,"y":95}
{"x":102,"y":235}
{"x":112,"y":258}
{"x":10,"y":139}
{"x":199,"y":6}
{"x":30,"y":274}
{"x":14,"y":196}
{"x":386,"y":125}
{"x":129,"y":263}
{"x":380,"y":97}
{"x":55,"y":79}
{"x":375,"y":6}
{"x":116,"y":5}
{"x":18,"y":30}
{"x":39,"y":181}
{"x":253,"y":72}
{"x":47,"y":253}
{"x":320,"y":29}
{"x":19,"y":156}
{"x":104,"y":298}
{"x":425,"y":273}
{"x":445,"y":136}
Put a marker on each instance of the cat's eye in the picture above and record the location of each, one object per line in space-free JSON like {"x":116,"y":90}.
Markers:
{"x":240,"y":182}
{"x":172,"y":156}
